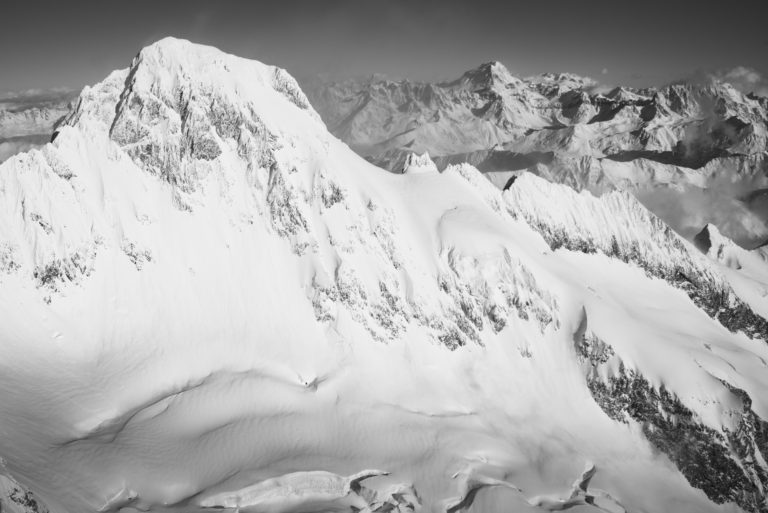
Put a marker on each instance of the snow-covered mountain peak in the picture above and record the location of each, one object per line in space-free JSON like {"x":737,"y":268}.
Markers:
{"x":551,"y":84}
{"x":171,"y":63}
{"x":710,"y":239}
{"x":419,"y":164}
{"x":723,"y":250}
{"x":181,"y":106}
{"x":182,"y":76}
{"x":489,"y":75}
{"x":626,"y":94}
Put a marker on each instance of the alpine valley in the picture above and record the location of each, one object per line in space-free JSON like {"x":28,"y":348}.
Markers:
{"x":211,"y":303}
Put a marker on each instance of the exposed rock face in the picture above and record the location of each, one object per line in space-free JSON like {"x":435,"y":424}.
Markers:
{"x":729,"y":465}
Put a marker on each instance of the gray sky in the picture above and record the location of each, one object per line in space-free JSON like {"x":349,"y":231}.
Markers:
{"x":73,"y":43}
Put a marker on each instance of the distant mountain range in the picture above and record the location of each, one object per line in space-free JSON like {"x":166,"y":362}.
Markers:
{"x":692,"y":153}
{"x":27,"y":119}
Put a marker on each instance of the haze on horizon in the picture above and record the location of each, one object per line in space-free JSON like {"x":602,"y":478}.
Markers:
{"x":71,"y":44}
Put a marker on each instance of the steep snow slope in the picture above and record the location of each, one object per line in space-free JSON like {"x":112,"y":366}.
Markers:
{"x":693,"y":154}
{"x":209,"y":302}
{"x":617,"y":225}
{"x":747,"y":271}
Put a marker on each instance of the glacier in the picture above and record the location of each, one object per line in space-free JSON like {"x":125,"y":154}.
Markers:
{"x":210,"y":302}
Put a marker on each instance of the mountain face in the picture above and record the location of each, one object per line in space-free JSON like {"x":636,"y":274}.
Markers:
{"x":209,"y":302}
{"x":693,"y":154}
{"x":27,"y":121}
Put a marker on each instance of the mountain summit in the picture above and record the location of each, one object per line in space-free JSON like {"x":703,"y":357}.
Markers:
{"x":209,"y":302}
{"x":487,"y":76}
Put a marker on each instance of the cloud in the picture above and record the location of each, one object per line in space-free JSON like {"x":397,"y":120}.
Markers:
{"x":36,"y":94}
{"x":687,"y":209}
{"x":605,"y":71}
{"x":10,"y":147}
{"x":21,"y":100}
{"x":745,"y":79}
{"x":599,"y":88}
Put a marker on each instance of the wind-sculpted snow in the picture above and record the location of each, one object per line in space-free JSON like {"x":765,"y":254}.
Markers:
{"x":209,"y":302}
{"x":724,"y":251}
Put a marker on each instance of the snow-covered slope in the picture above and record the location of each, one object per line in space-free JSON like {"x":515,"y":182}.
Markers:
{"x":617,"y":225}
{"x":747,"y":271}
{"x":692,"y":153}
{"x":209,"y":302}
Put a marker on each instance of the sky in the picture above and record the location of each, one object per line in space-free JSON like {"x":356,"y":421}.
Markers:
{"x":68,"y":44}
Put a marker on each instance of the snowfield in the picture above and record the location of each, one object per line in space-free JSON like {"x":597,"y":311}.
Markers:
{"x":208,"y":302}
